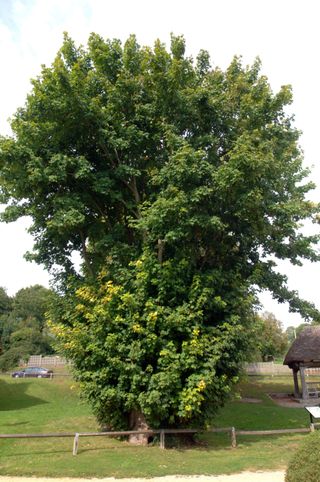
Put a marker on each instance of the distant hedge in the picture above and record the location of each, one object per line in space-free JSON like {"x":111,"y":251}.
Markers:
{"x":305,"y":464}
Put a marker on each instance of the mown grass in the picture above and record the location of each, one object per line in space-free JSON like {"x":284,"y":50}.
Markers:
{"x":266,"y":415}
{"x":29,"y":406}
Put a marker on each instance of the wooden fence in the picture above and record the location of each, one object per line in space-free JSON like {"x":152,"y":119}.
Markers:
{"x":274,"y":369}
{"x":162,"y":434}
{"x":45,"y":361}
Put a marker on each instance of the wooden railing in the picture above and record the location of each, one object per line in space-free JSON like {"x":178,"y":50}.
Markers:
{"x":162,"y":434}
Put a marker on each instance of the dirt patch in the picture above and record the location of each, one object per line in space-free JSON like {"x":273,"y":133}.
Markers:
{"x":285,"y":400}
{"x":243,"y":477}
{"x":250,"y":400}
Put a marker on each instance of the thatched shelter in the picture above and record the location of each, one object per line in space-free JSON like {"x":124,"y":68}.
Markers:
{"x":305,"y":353}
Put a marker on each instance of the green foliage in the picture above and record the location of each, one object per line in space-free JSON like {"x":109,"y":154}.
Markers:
{"x":23,"y":329}
{"x":133,"y":351}
{"x":305,"y":464}
{"x":177,"y":184}
{"x":11,"y":357}
{"x":293,"y":332}
{"x":5,"y":301}
{"x":271,"y":340}
{"x":32,"y":303}
{"x":5,"y":308}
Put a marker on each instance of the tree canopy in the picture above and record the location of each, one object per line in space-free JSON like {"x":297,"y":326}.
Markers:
{"x":180,"y":185}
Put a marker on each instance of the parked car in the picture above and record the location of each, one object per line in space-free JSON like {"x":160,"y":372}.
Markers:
{"x":36,"y":372}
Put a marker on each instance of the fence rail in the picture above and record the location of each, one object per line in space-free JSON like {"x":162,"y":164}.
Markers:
{"x":162,"y":433}
{"x":267,"y":368}
{"x":271,"y":368}
{"x":51,"y":361}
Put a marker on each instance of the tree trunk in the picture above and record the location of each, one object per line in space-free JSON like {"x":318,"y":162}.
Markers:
{"x":138,"y":422}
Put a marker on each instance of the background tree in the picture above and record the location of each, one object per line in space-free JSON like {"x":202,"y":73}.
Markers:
{"x":176,"y":183}
{"x":24,"y":330}
{"x":271,"y":340}
{"x":291,"y":334}
{"x":5,"y":307}
{"x":293,"y":331}
{"x":5,"y":301}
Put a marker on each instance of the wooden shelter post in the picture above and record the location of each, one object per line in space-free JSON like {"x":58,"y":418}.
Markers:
{"x":303,"y":383}
{"x":296,"y":383}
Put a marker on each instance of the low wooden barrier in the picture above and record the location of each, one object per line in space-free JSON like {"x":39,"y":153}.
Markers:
{"x":162,"y":433}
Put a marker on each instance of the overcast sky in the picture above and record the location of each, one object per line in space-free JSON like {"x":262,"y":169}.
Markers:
{"x":285,"y":34}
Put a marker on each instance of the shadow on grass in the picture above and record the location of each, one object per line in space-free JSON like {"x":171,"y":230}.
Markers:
{"x":13,"y":396}
{"x":14,"y":424}
{"x":38,"y":452}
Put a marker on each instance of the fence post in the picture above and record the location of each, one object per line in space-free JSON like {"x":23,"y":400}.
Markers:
{"x":162,"y":439}
{"x":75,"y":444}
{"x":233,"y":438}
{"x":311,"y":427}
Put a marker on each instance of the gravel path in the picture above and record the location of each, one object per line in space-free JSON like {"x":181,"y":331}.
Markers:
{"x":243,"y":477}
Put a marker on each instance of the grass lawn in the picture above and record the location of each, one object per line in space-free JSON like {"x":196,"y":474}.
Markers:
{"x":32,"y":405}
{"x":265,"y":415}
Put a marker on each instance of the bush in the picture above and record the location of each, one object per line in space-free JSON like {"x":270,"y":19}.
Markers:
{"x":305,"y":464}
{"x":11,"y":358}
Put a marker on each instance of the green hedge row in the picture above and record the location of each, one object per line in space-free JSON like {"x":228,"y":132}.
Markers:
{"x":305,"y":464}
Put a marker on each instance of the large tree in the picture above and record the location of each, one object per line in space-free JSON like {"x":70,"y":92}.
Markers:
{"x":179,"y":185}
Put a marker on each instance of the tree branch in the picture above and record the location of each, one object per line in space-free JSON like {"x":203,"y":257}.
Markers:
{"x":85,"y":253}
{"x":161,"y":244}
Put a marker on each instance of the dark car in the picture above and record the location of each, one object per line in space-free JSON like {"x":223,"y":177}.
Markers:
{"x":36,"y":372}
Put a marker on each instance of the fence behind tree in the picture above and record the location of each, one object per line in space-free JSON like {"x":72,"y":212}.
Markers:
{"x":271,"y":368}
{"x":262,"y":368}
{"x":46,"y":361}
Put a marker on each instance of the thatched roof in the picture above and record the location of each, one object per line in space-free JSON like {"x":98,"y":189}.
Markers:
{"x":305,"y":348}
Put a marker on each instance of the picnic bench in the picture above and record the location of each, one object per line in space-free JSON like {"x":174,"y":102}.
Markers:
{"x":313,"y":389}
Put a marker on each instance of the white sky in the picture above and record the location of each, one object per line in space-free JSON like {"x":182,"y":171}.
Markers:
{"x":284,"y":33}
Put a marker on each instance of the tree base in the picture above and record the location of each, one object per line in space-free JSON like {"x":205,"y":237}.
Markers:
{"x":138,"y":422}
{"x":139,"y":439}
